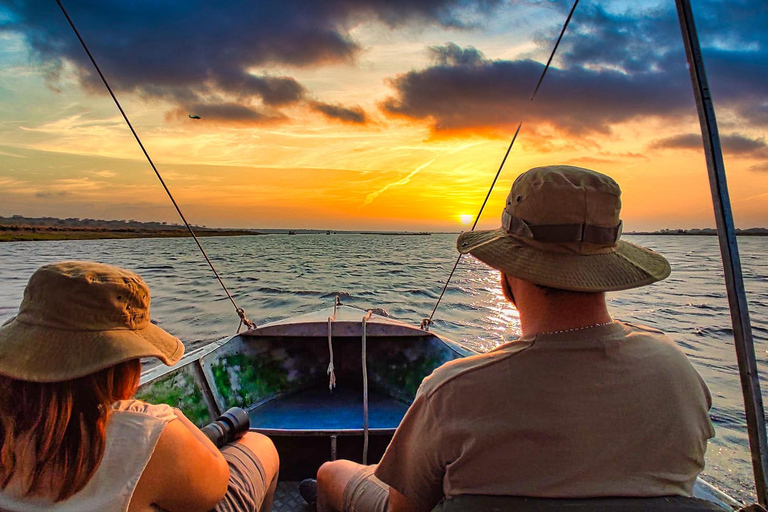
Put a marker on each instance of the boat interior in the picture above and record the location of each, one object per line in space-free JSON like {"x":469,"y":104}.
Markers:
{"x":280,"y":375}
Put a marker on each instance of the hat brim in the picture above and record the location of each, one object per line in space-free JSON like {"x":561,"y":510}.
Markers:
{"x":45,"y":354}
{"x":628,"y":266}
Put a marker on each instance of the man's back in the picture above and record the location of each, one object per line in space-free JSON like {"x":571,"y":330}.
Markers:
{"x":613,"y":410}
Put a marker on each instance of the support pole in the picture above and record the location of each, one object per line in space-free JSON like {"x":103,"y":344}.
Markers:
{"x":729,"y":251}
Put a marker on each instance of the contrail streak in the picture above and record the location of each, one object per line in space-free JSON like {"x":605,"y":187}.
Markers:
{"x":373,"y":195}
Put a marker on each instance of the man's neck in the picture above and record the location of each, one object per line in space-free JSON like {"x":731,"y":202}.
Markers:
{"x":562,"y":315}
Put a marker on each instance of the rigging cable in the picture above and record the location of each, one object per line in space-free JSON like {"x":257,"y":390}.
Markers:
{"x":425,"y":323}
{"x":240,"y":311}
{"x":364,"y":352}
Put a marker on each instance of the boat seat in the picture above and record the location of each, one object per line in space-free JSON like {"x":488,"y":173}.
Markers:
{"x":480,"y":503}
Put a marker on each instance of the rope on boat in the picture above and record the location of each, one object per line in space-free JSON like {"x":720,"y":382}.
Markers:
{"x":366,"y":317}
{"x":426,"y":322}
{"x":331,"y":370}
{"x":240,"y":311}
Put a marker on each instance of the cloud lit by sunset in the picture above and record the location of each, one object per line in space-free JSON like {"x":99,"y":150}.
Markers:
{"x":372,"y":114}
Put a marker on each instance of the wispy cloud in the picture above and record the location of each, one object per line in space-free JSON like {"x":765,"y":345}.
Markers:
{"x":9,"y":183}
{"x":104,"y":174}
{"x":373,"y":195}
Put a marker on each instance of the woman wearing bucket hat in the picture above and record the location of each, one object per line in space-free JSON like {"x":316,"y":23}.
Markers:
{"x":580,"y":407}
{"x":71,"y":437}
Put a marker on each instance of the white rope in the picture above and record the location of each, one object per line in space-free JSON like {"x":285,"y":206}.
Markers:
{"x":365,"y":386}
{"x":331,"y":373}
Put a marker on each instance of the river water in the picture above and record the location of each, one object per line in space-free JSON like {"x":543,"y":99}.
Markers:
{"x":276,"y":276}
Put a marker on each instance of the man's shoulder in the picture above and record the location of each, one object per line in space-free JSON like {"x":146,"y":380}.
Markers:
{"x":651,"y":335}
{"x":467,"y":367}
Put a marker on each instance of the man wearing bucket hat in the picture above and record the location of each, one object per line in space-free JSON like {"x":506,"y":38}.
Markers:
{"x":581,"y":406}
{"x":71,"y":436}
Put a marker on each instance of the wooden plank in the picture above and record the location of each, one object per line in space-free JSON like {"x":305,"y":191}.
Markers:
{"x":205,"y":387}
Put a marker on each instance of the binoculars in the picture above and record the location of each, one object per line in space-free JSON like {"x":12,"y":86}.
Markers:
{"x":230,"y":426}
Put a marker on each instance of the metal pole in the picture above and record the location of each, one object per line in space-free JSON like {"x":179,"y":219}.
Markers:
{"x":734,"y":282}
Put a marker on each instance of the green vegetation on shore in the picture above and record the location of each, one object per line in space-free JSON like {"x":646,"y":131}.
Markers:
{"x":18,"y":228}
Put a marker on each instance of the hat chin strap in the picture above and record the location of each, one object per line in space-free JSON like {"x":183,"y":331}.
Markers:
{"x":561,"y":233}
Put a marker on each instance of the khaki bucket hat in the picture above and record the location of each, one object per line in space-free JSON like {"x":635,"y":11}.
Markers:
{"x":77,"y":318}
{"x":561,"y":228}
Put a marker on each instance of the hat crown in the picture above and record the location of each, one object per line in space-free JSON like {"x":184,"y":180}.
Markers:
{"x":560,"y":228}
{"x":85,"y":296}
{"x":564,"y":194}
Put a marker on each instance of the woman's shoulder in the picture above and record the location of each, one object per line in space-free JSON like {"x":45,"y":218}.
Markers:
{"x":161,"y":412}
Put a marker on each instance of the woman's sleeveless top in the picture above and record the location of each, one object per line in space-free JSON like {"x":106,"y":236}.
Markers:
{"x":132,"y":433}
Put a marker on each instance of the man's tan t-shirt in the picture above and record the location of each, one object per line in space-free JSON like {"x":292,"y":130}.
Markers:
{"x":615,"y":410}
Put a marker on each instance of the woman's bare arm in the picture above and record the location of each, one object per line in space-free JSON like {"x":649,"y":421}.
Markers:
{"x":196,"y":432}
{"x":185,"y":473}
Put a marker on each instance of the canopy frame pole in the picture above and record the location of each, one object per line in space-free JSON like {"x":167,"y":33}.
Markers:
{"x":729,"y":251}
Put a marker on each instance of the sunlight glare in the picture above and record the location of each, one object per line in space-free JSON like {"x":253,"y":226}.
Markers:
{"x":466,"y":219}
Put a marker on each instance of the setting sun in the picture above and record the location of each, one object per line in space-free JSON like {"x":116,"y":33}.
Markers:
{"x":466,"y":219}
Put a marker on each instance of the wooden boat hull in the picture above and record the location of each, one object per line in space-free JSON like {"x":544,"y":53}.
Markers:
{"x":279,"y":374}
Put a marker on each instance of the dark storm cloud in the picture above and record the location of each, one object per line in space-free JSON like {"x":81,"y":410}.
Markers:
{"x":734,"y":144}
{"x":732,"y":34}
{"x":187,"y":51}
{"x":274,"y":91}
{"x":353,"y":115}
{"x":611,"y":68}
{"x":465,"y":91}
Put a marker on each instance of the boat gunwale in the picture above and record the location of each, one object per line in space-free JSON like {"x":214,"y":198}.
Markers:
{"x":159,"y":371}
{"x":293,"y":432}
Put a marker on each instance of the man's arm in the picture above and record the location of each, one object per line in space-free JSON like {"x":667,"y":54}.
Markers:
{"x":414,"y":463}
{"x":399,"y":503}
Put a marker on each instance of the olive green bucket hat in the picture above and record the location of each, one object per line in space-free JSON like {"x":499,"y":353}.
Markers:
{"x":561,"y":228}
{"x":77,"y":318}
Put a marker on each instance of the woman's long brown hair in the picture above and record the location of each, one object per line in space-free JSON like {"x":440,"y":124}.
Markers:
{"x":63,"y":424}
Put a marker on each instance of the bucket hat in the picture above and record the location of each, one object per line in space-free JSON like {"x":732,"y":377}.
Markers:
{"x":561,"y":228}
{"x":77,"y":318}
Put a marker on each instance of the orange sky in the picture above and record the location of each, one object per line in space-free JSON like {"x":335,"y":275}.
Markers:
{"x":65,"y":152}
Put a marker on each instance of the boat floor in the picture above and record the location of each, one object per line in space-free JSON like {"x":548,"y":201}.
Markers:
{"x":317,"y":408}
{"x":288,"y":499}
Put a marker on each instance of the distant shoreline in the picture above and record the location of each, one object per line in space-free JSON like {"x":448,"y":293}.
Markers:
{"x":38,"y":234}
{"x":739,"y":232}
{"x":18,"y":228}
{"x":46,"y":233}
{"x":41,"y":234}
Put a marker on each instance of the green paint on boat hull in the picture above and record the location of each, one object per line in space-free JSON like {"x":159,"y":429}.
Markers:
{"x":242,"y":380}
{"x":399,"y":371}
{"x":178,"y":390}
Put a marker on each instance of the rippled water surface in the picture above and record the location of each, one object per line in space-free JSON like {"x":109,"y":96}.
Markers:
{"x":277,"y":276}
